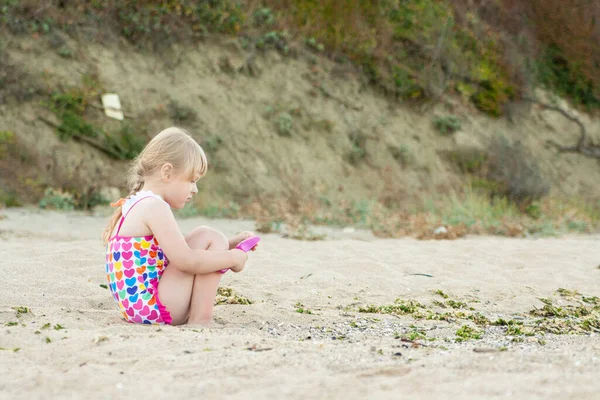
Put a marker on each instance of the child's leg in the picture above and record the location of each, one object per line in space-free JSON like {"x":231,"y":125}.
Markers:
{"x":205,"y":286}
{"x":186,"y":295}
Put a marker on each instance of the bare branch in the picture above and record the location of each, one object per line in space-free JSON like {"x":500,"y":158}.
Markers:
{"x":580,"y":147}
{"x":327,"y":93}
{"x":568,"y":116}
{"x":249,"y":66}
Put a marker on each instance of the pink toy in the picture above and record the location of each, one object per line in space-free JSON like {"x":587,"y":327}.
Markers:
{"x":245,"y":245}
{"x":248,"y":244}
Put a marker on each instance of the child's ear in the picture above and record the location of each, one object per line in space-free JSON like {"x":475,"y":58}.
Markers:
{"x":166,"y":172}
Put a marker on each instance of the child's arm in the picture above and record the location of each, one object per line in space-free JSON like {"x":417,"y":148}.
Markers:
{"x":161,"y":221}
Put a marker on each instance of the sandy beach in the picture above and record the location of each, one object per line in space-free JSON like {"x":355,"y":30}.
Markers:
{"x":303,"y":336}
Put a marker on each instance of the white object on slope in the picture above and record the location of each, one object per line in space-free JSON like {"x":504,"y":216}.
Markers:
{"x":112,"y":106}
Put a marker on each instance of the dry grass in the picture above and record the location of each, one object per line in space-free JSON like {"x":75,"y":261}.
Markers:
{"x":469,"y":212}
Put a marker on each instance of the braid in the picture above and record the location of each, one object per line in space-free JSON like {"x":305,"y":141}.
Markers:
{"x":136,"y":184}
{"x":136,"y":178}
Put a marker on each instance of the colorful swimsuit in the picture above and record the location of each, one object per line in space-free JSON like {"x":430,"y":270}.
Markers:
{"x":134,"y":265}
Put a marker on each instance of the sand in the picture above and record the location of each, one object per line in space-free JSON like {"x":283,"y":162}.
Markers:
{"x":52,"y":263}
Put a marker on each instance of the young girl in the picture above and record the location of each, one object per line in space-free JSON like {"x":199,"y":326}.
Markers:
{"x":157,"y":275}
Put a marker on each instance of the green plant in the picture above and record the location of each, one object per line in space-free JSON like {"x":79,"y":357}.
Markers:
{"x":469,"y":160}
{"x":301,"y":309}
{"x":479,"y":319}
{"x":358,"y":150}
{"x":580,"y":318}
{"x":503,"y":322}
{"x":401,"y":154}
{"x":514,"y":330}
{"x":181,"y":113}
{"x":9,"y":198}
{"x":153,"y":21}
{"x":406,"y":86}
{"x":226,"y":295}
{"x":212,"y":144}
{"x":493,"y":93}
{"x":7,"y":142}
{"x":126,"y":143}
{"x":313,"y":44}
{"x":356,"y":154}
{"x":534,"y":210}
{"x":565,"y":77}
{"x":264,"y":16}
{"x":465,"y":332}
{"x":456,"y":304}
{"x":415,"y":334}
{"x":273,"y":39}
{"x":400,"y":307}
{"x":593,"y":300}
{"x":447,"y":125}
{"x":91,"y":199}
{"x":65,"y":51}
{"x":284,"y":123}
{"x":57,"y":199}
{"x":69,"y":107}
{"x":21,"y":310}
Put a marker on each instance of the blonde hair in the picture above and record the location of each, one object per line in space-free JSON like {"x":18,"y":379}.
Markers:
{"x":172,"y":145}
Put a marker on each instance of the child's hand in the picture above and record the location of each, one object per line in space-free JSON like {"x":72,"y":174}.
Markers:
{"x":240,"y":259}
{"x":240,"y":237}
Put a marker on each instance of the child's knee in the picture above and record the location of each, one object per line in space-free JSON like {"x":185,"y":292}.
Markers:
{"x":219,"y":240}
{"x":205,"y":234}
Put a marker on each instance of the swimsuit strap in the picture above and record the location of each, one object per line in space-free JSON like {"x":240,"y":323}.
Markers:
{"x":120,"y":224}
{"x":127,"y":213}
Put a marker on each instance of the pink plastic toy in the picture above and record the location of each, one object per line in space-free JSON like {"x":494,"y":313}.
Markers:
{"x":248,"y":244}
{"x":245,"y":246}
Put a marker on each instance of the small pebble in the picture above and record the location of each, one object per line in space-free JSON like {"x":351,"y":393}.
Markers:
{"x":440,"y":230}
{"x":99,"y":339}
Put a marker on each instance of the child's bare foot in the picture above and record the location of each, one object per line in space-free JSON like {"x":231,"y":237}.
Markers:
{"x":240,"y":237}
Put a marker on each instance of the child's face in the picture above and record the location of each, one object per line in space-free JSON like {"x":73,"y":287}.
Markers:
{"x":180,"y":190}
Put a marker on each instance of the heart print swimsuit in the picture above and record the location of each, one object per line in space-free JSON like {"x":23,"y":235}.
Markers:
{"x":134,"y":265}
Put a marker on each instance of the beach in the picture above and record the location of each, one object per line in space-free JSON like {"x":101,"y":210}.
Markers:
{"x":304,"y":335}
